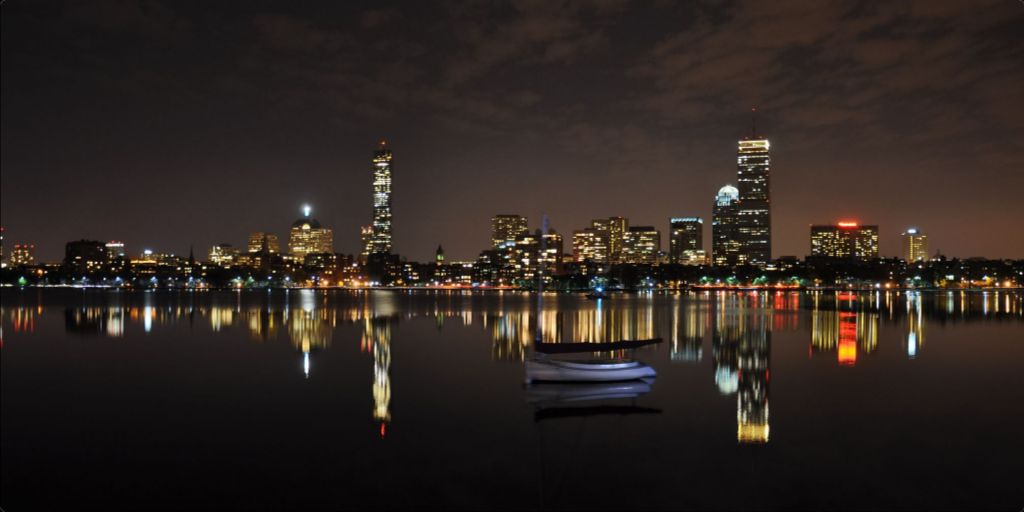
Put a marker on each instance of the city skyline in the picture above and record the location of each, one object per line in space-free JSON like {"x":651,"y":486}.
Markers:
{"x":175,"y":154}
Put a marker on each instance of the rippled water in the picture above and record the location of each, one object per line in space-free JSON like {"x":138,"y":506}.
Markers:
{"x":416,"y":399}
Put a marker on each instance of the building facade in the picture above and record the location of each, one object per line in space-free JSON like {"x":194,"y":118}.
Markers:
{"x":613,"y":230}
{"x":915,"y":245}
{"x":506,"y":229}
{"x":307,"y":236}
{"x":641,"y":245}
{"x":260,"y":241}
{"x":589,"y":245}
{"x":685,"y":234}
{"x":725,"y":243}
{"x":754,"y":184}
{"x":844,"y":240}
{"x":382,"y":161}
{"x":23,"y":254}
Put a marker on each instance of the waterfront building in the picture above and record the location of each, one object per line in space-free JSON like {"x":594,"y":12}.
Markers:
{"x":754,"y":186}
{"x":307,"y":236}
{"x":85,"y":256}
{"x":534,"y":252}
{"x":613,"y":230}
{"x":641,"y":245}
{"x":260,"y":241}
{"x":439,"y":255}
{"x":685,"y":234}
{"x":223,"y":254}
{"x":506,"y":229}
{"x":725,"y":244}
{"x":698,"y":257}
{"x":844,"y":240}
{"x":115,"y":250}
{"x":381,"y":239}
{"x":23,"y":254}
{"x":589,"y":245}
{"x":915,"y":245}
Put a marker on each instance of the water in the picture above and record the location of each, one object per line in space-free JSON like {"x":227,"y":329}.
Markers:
{"x":416,"y":399}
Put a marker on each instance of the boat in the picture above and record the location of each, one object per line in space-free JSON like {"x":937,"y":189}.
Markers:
{"x":598,"y":293}
{"x":542,"y":368}
{"x":549,"y":393}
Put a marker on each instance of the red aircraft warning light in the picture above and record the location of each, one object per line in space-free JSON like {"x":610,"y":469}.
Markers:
{"x":847,"y":224}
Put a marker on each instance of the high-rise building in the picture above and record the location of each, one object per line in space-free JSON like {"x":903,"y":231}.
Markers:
{"x":366,"y":237}
{"x":115,"y":250}
{"x":85,"y":256}
{"x":535,"y":251}
{"x":844,"y":240}
{"x":754,"y":183}
{"x":381,"y":241}
{"x":506,"y":229}
{"x":641,"y":245}
{"x":307,"y":236}
{"x":613,"y":230}
{"x":589,"y":245}
{"x":23,"y":254}
{"x":264,"y":242}
{"x":915,"y":245}
{"x":223,"y":254}
{"x":725,"y":244}
{"x":685,"y":234}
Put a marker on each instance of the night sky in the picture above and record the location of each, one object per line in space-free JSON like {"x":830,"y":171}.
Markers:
{"x":170,"y":124}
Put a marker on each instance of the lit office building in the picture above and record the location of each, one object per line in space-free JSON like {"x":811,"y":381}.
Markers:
{"x":589,"y":245}
{"x":264,"y":242}
{"x":223,"y":254}
{"x":613,"y":230}
{"x":307,"y":236}
{"x":535,"y":251}
{"x":381,"y":240}
{"x":844,"y":240}
{"x":725,"y":244}
{"x":753,"y":180}
{"x":641,"y":245}
{"x":115,"y":250}
{"x":915,"y":245}
{"x":686,"y":234}
{"x":85,"y":256}
{"x":506,"y":229}
{"x":23,"y":254}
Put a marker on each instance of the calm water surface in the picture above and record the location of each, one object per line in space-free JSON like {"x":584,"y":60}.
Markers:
{"x":416,"y":399}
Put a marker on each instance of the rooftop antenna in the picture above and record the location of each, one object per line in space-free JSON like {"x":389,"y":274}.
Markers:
{"x":753,"y":121}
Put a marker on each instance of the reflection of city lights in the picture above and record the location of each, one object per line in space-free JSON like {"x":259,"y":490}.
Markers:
{"x":305,"y":364}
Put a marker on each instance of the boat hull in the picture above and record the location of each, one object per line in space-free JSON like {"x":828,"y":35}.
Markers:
{"x":552,"y":370}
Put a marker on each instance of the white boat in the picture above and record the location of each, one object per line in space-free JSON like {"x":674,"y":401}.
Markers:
{"x":564,"y":393}
{"x":541,"y":368}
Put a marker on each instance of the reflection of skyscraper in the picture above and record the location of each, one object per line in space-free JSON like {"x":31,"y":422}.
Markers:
{"x":915,"y":324}
{"x":381,"y":200}
{"x":688,"y":332}
{"x":753,"y":363}
{"x":845,"y":325}
{"x":377,"y":338}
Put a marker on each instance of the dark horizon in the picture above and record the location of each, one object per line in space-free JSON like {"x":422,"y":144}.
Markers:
{"x":168,"y":125}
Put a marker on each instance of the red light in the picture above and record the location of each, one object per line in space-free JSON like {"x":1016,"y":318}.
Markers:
{"x":847,"y":224}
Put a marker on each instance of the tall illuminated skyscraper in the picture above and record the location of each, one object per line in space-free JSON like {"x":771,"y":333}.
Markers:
{"x":725,"y":244}
{"x":613,"y":229}
{"x":753,"y":164}
{"x":641,"y":245}
{"x":381,"y":240}
{"x":915,"y":245}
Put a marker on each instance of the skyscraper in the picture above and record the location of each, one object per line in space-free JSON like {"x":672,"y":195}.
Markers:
{"x":725,"y":245}
{"x":915,"y":245}
{"x":506,"y":229}
{"x":754,"y":183}
{"x":641,"y":245}
{"x":23,"y":254}
{"x":264,"y":242}
{"x":844,"y":240}
{"x":613,"y":229}
{"x":307,"y":236}
{"x":685,"y":234}
{"x":381,"y":241}
{"x":589,"y":245}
